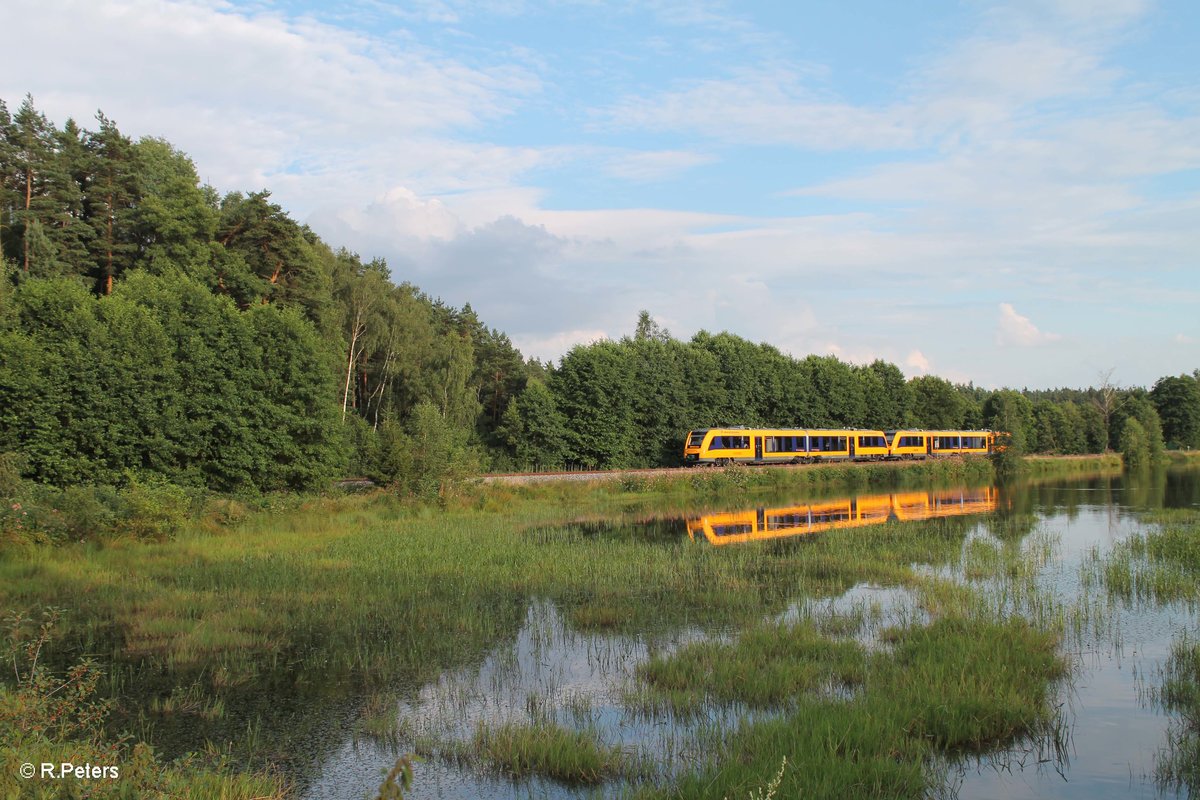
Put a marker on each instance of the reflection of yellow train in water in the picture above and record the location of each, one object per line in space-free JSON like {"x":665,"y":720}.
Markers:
{"x":757,"y":524}
{"x":806,"y":446}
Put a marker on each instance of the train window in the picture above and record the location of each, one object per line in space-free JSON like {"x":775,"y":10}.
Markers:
{"x":732,"y":530}
{"x":697,"y":439}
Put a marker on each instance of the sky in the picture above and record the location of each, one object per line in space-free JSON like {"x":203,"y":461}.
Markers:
{"x":1002,"y":193}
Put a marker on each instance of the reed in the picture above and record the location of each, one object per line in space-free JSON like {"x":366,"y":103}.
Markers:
{"x":565,"y":755}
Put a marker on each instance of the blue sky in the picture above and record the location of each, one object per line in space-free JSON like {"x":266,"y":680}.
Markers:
{"x":1005,"y":193}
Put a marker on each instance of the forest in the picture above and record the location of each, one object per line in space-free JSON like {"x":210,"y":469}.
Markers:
{"x":154,"y":332}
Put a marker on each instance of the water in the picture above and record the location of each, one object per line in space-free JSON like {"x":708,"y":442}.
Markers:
{"x":548,"y":672}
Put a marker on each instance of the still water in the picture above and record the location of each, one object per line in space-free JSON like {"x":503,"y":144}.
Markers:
{"x":550,"y":672}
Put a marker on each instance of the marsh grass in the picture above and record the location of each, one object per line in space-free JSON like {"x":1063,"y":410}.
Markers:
{"x":1178,"y":766}
{"x":570,"y":756}
{"x":379,"y":719}
{"x":957,"y":685}
{"x":1161,"y":565}
{"x":769,"y":666}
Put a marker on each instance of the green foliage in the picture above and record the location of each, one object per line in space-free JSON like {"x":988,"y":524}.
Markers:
{"x":1012,"y":413}
{"x":935,"y":404}
{"x":1007,"y":459}
{"x":535,"y":429}
{"x":397,"y":781}
{"x":1135,"y":445}
{"x":426,"y":457}
{"x":1138,"y":408}
{"x":1177,"y":400}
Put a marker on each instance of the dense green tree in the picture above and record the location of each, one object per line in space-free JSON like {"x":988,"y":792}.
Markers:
{"x":110,"y":196}
{"x":836,"y":382}
{"x":534,"y":429}
{"x":1050,"y":427}
{"x":593,"y":388}
{"x":1012,"y":413}
{"x":1177,"y":400}
{"x":175,"y":221}
{"x":37,"y":180}
{"x":885,"y":394}
{"x":934,"y":403}
{"x":1134,"y":444}
{"x":1138,"y":405}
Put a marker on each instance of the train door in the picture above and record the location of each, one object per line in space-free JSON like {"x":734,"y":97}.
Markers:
{"x":758,"y":448}
{"x":852,"y":448}
{"x":928,"y":445}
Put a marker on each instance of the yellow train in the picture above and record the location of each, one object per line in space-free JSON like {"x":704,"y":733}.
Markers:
{"x":721,"y":446}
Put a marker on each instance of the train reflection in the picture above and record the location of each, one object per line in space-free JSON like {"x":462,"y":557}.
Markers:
{"x":757,"y":524}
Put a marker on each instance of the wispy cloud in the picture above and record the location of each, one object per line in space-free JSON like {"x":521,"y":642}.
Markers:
{"x":1014,"y":329}
{"x":655,"y":165}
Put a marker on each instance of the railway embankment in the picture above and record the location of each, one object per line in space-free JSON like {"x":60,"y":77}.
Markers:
{"x":1039,"y":465}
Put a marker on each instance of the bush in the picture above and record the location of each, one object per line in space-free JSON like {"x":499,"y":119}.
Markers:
{"x":1135,"y":445}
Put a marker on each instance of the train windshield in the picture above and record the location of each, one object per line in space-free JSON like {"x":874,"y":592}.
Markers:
{"x":696,"y":439}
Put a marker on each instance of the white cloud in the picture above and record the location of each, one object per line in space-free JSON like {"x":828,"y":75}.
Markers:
{"x":917,"y":361}
{"x":1014,"y":329}
{"x":550,"y":348}
{"x":317,"y":113}
{"x":767,"y":105}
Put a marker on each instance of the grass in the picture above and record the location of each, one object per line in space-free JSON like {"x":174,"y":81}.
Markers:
{"x":1160,"y":565}
{"x":959,"y":684}
{"x":1179,"y":764}
{"x":569,"y":756}
{"x":769,"y":666}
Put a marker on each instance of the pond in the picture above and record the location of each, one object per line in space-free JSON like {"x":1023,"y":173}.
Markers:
{"x":1105,"y":742}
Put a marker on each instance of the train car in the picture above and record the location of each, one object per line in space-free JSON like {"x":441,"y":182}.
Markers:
{"x":909,"y":444}
{"x":869,"y":446}
{"x":960,"y":443}
{"x":722,"y":446}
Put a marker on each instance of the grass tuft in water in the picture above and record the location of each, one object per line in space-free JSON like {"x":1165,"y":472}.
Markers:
{"x":548,"y":750}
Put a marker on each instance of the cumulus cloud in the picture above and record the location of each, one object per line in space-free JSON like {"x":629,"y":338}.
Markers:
{"x":259,"y":99}
{"x":1014,"y":329}
{"x":917,"y":361}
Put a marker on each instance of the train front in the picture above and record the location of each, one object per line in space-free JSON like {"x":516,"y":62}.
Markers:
{"x":692,"y":446}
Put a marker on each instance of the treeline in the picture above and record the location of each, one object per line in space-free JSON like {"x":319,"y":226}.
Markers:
{"x":629,"y":403}
{"x":148,"y":324}
{"x":152,"y":327}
